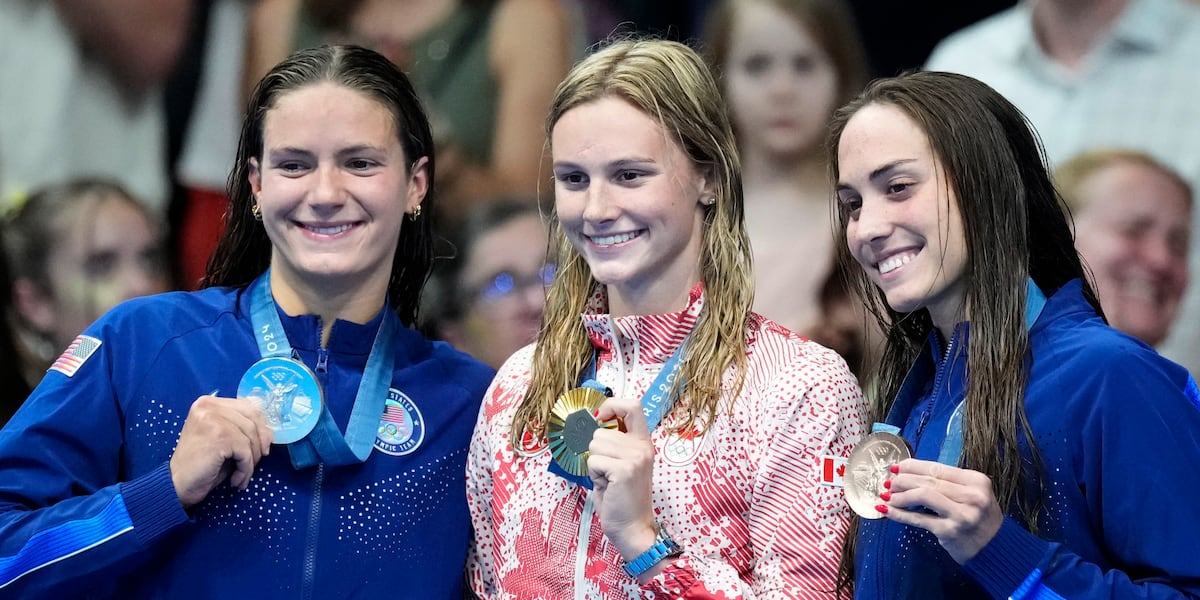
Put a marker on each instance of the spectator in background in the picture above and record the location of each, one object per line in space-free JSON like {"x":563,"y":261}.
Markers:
{"x":1133,"y":218}
{"x":485,"y":68}
{"x":204,"y":107}
{"x":80,"y":92}
{"x":76,"y":250}
{"x":784,"y":66}
{"x":1100,"y":74}
{"x":494,"y":288}
{"x":13,"y":387}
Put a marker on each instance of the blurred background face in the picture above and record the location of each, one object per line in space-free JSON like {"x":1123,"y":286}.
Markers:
{"x":108,"y":252}
{"x":780,"y":83}
{"x":1133,"y":234}
{"x":503,"y":285}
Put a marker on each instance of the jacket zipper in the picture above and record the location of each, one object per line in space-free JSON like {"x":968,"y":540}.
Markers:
{"x":314,"y":528}
{"x":314,"y":509}
{"x":938,"y":379}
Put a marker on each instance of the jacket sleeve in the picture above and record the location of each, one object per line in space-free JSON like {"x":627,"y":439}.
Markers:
{"x":481,"y":575}
{"x":68,"y":521}
{"x":1137,"y":455}
{"x":796,"y":525}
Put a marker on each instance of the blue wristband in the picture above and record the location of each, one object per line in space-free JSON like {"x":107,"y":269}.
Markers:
{"x":664,"y":547}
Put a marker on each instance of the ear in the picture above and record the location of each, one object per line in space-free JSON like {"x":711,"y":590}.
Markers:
{"x":254,"y":175}
{"x":708,"y":188}
{"x":33,"y":304}
{"x":418,"y":184}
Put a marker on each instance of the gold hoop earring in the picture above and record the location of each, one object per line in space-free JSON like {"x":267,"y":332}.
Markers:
{"x":256,"y":211}
{"x":416,"y":213}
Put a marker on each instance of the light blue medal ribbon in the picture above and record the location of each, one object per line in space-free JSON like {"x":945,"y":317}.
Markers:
{"x":657,"y":400}
{"x":952,"y":444}
{"x":326,"y":444}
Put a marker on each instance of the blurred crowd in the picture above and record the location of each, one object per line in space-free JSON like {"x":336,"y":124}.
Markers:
{"x":118,"y":118}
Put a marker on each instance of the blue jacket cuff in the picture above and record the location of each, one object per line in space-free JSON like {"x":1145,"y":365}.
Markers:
{"x":1005,"y":563}
{"x":152,"y":503}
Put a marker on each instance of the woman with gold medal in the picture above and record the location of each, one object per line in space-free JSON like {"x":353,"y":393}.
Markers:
{"x":659,"y":437}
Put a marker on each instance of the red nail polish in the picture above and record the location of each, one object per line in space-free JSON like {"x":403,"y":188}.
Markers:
{"x":887,"y":484}
{"x":894,"y":469}
{"x":886,"y":496}
{"x":596,"y":413}
{"x":881,"y":508}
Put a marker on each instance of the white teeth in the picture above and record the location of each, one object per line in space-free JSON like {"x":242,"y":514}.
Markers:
{"x":895,"y":262}
{"x":329,"y":230}
{"x":609,"y":240}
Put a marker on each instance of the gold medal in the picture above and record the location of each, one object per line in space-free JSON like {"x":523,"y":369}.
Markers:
{"x":571,"y":427}
{"x":868,"y":467}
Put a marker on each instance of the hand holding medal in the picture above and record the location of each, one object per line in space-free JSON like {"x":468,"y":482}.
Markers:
{"x":621,"y":465}
{"x":222,"y":438}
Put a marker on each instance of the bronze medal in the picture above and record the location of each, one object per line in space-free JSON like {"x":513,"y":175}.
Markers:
{"x":571,"y":427}
{"x":868,"y":467}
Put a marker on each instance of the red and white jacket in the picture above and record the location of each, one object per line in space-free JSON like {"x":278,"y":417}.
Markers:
{"x":744,"y":500}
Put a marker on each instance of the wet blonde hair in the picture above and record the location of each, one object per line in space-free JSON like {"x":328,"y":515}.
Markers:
{"x":669,"y":82}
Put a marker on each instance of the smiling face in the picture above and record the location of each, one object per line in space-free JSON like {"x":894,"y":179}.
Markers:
{"x":781,"y":84}
{"x":333,"y":187}
{"x":903,"y":224}
{"x":1134,"y":234}
{"x":629,"y":200}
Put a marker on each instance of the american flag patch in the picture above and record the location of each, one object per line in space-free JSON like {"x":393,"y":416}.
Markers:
{"x":75,"y":355}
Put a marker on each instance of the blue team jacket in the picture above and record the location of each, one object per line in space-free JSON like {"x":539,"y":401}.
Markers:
{"x":1118,"y":429}
{"x":87,"y":506}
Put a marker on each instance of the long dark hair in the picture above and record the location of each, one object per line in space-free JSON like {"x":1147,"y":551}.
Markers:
{"x":1016,"y":227}
{"x":244,"y":250}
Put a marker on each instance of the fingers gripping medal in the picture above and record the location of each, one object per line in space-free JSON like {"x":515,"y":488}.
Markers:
{"x":868,"y":467}
{"x":288,"y":392}
{"x":572,"y":426}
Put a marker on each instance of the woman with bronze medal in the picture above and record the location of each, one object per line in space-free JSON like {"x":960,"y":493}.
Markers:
{"x":282,"y":433}
{"x":659,"y":437}
{"x":1022,"y":447}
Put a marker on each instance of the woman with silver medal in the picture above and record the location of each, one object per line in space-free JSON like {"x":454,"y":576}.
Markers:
{"x":659,"y":437}
{"x":1022,"y":447}
{"x":283,"y":432}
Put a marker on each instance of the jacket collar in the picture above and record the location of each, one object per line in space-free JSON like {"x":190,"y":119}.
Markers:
{"x":642,"y":338}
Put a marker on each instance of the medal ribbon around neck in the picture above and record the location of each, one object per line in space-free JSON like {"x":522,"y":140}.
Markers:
{"x":326,"y":444}
{"x":868,"y":465}
{"x":952,"y":445}
{"x":657,"y":400}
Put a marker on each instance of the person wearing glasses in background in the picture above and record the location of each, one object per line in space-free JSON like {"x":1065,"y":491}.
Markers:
{"x":494,"y":289}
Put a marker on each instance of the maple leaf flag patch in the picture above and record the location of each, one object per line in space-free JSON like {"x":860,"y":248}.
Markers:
{"x":81,"y":349}
{"x":833,"y":468}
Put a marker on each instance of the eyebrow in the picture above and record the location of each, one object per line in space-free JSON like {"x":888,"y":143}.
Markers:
{"x":356,"y":149}
{"x":619,"y":163}
{"x":880,"y":172}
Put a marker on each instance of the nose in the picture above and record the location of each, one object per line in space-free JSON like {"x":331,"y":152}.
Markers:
{"x":872,"y":223}
{"x":782,"y":83}
{"x":1157,"y":254}
{"x":327,"y":189}
{"x":597,"y":205}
